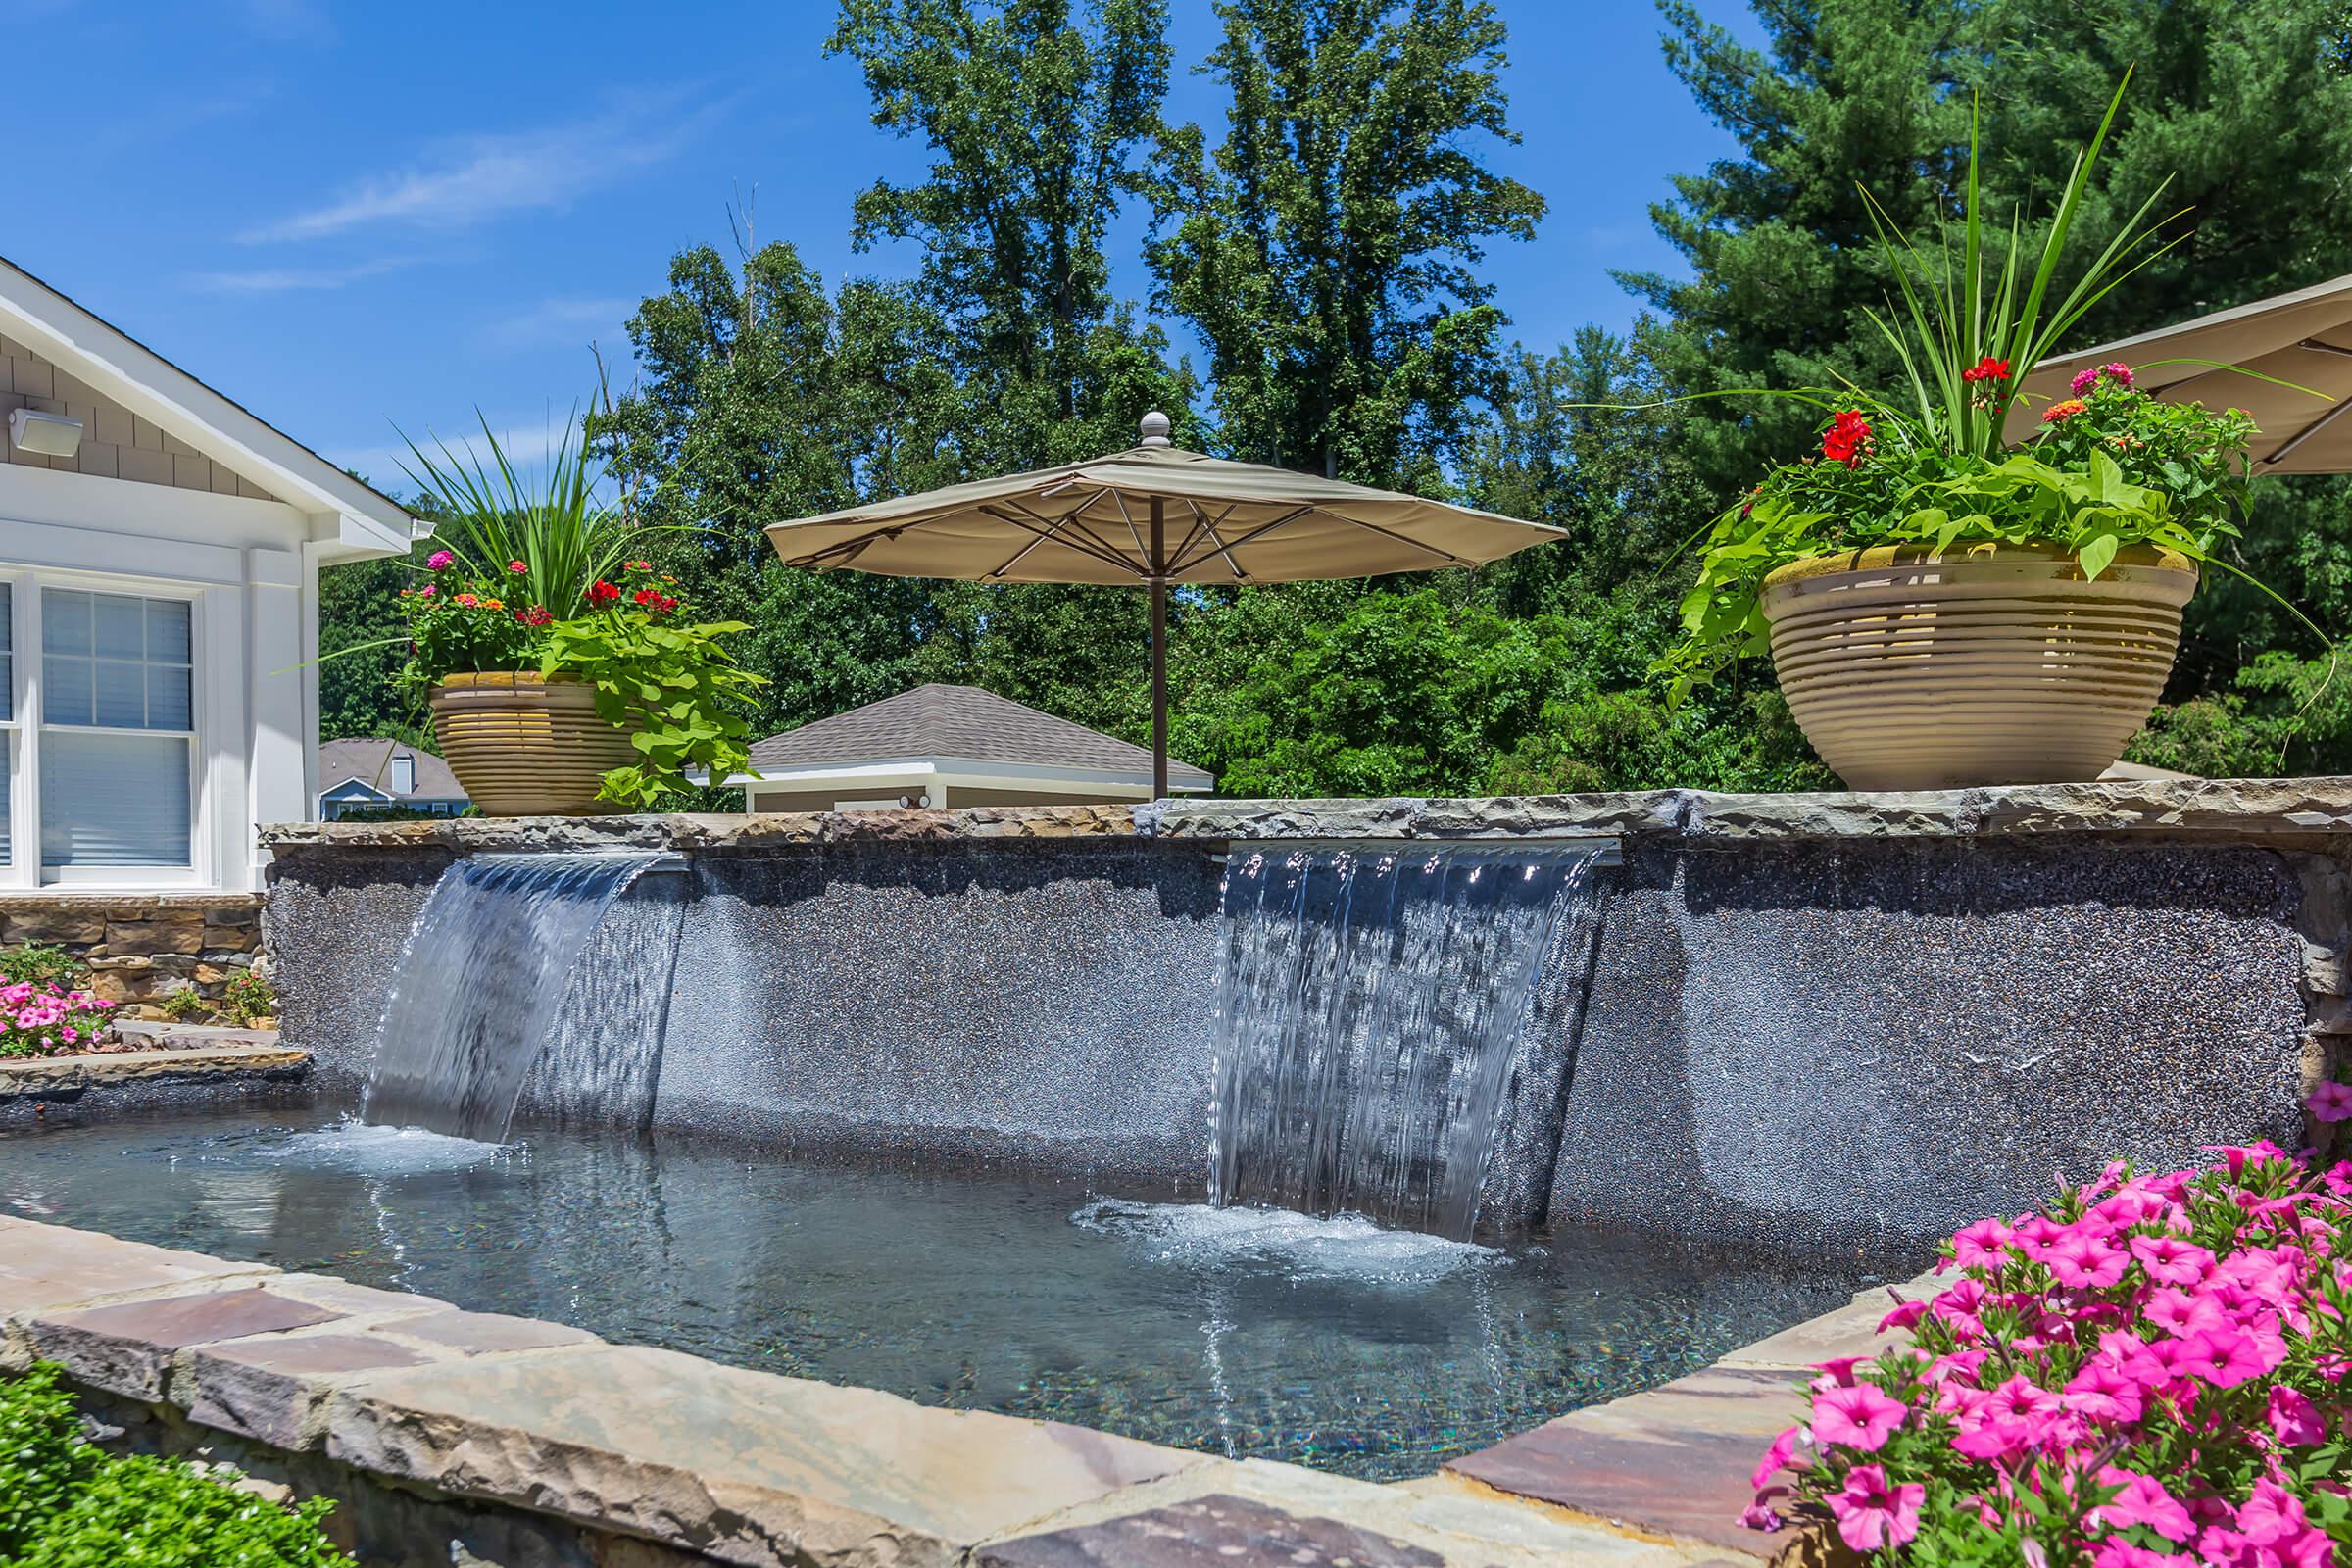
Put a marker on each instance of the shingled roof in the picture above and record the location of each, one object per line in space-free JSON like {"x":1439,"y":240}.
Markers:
{"x":968,"y":724}
{"x":370,"y":761}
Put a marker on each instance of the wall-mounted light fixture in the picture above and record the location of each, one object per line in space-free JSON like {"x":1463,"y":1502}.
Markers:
{"x":52,"y":435}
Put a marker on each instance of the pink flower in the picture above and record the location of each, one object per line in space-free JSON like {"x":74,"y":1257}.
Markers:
{"x":2084,"y":381}
{"x":1759,"y":1515}
{"x":1980,"y":1244}
{"x":2117,"y":372}
{"x":1776,"y":1459}
{"x":439,"y":560}
{"x":2171,"y":1261}
{"x":516,"y":567}
{"x":2178,"y":1312}
{"x":2117,"y":1552}
{"x":2085,"y":1263}
{"x":1872,"y":1513}
{"x":1860,"y":1417}
{"x":2294,"y":1419}
{"x":1837,"y":1372}
{"x":1906,"y":1314}
{"x":2102,"y":1391}
{"x":2142,"y":1501}
{"x":2332,"y":1102}
{"x":2222,"y":1357}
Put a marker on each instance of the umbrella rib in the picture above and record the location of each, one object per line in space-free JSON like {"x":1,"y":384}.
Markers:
{"x":1020,"y":554}
{"x":817,"y":559}
{"x":1210,"y":528}
{"x":2279,"y":454}
{"x":1047,"y":532}
{"x":1143,"y":552}
{"x":1261,"y":529}
{"x":1406,"y":539}
{"x":1075,"y":520}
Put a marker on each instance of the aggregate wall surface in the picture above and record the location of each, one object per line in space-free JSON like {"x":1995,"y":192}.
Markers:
{"x":1811,"y":1018}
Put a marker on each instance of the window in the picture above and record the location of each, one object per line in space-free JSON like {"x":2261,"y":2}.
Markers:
{"x":118,"y":729}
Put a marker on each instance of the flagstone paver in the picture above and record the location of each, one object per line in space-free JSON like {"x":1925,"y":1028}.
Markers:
{"x":49,"y":1265}
{"x":743,"y":1466}
{"x":275,"y":1388}
{"x":1217,"y":1531}
{"x":57,"y":1075}
{"x":128,"y":1349}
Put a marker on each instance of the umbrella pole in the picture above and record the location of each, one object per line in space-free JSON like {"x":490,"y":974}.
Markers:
{"x":1159,"y":655}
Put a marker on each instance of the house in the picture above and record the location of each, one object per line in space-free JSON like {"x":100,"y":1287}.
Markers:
{"x":374,"y":774}
{"x":160,"y":550}
{"x":946,"y":747}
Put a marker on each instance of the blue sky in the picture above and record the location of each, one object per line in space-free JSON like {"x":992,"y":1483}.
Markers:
{"x":352,"y":218}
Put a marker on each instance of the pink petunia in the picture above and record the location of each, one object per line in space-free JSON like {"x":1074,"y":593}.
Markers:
{"x":2171,"y":1261}
{"x":2086,"y":1262}
{"x":1759,"y":1515}
{"x":2143,"y":1502}
{"x":1776,"y":1459}
{"x":1980,"y":1244}
{"x":2294,"y":1420}
{"x":2222,"y":1357}
{"x":2180,"y":1313}
{"x":1872,"y":1513}
{"x":2102,"y":1391}
{"x":1859,"y":1417}
{"x":2330,"y":1101}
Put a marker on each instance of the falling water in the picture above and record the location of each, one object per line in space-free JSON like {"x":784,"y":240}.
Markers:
{"x":1373,"y":1005}
{"x":478,"y":1007}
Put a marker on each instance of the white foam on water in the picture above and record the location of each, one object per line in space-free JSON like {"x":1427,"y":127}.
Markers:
{"x":1347,"y":1248}
{"x":363,"y":1148}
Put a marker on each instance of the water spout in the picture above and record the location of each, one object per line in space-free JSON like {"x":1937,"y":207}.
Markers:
{"x":477,"y":1006}
{"x":1374,"y":1006}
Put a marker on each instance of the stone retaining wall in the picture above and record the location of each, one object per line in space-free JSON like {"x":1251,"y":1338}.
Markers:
{"x":1811,"y":1016}
{"x":141,"y":948}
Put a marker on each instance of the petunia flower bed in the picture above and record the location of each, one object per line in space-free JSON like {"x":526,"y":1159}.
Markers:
{"x":2147,"y":1374}
{"x":41,"y":1018}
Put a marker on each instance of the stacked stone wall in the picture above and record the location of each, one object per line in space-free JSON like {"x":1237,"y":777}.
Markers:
{"x":144,"y":948}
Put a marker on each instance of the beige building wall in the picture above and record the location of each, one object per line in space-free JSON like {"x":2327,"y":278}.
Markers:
{"x":115,"y":444}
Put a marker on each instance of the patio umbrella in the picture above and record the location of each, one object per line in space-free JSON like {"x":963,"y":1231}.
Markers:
{"x":1152,"y":515}
{"x":2304,"y":337}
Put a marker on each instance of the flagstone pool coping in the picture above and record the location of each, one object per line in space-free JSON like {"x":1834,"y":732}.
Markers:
{"x":246,"y":1056}
{"x":737,"y":1467}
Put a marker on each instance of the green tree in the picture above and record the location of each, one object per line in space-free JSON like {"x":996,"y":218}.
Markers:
{"x":1034,"y":112}
{"x":1327,"y":250}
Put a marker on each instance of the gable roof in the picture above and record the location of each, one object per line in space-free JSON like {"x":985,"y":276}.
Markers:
{"x":966,"y":723}
{"x":364,"y":522}
{"x":368,"y":760}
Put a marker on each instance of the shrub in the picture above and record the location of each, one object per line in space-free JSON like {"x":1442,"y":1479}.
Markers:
{"x":186,"y":1006}
{"x":248,"y":999}
{"x":2149,"y":1373}
{"x":65,"y":1503}
{"x":39,"y":963}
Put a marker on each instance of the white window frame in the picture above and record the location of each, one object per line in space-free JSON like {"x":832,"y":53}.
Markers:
{"x":24,"y":869}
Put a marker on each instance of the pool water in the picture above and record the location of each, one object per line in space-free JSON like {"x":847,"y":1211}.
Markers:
{"x":1245,"y":1332}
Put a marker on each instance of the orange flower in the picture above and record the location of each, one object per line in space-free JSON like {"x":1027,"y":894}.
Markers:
{"x":2062,"y":411}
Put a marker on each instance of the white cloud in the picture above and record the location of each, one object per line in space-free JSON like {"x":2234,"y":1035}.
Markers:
{"x":464,"y":181}
{"x":296,"y":279}
{"x":573,"y":321}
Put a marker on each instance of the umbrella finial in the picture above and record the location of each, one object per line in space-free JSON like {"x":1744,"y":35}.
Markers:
{"x":1155,"y":427}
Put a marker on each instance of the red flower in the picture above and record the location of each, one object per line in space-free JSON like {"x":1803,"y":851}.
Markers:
{"x":647,"y":596}
{"x":536,"y":616}
{"x":2062,"y":411}
{"x":1987,"y":368}
{"x":604,"y":593}
{"x":1846,"y":439}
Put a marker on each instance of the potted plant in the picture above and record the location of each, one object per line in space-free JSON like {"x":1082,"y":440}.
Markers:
{"x":562,"y":677}
{"x":1944,"y":607}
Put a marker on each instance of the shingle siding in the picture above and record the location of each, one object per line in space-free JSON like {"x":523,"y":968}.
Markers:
{"x":115,"y":444}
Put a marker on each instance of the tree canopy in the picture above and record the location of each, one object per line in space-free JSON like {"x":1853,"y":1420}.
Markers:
{"x":1324,"y":240}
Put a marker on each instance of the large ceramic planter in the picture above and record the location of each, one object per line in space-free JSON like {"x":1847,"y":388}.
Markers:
{"x":1911,"y":670}
{"x":525,"y":745}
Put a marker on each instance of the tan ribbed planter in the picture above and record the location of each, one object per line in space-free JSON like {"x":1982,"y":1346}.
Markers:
{"x":1992,"y":665}
{"x":526,"y":746}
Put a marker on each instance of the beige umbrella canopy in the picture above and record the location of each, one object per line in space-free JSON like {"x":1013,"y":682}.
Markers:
{"x":2304,"y":338}
{"x":1152,"y":515}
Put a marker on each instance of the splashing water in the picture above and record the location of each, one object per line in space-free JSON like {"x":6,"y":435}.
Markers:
{"x":479,"y":996}
{"x":1373,"y":1008}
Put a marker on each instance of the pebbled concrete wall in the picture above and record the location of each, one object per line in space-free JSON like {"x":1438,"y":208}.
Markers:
{"x":1810,"y":1016}
{"x":1800,"y":1043}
